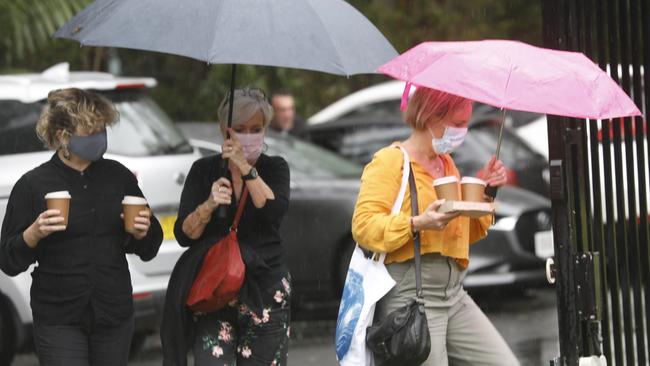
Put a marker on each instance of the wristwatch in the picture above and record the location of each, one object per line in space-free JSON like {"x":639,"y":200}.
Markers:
{"x":252,"y":174}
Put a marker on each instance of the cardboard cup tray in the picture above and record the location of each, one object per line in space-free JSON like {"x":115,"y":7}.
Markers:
{"x":470,"y":209}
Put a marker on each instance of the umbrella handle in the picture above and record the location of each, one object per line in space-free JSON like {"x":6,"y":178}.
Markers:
{"x":492,"y":191}
{"x":222,"y":210}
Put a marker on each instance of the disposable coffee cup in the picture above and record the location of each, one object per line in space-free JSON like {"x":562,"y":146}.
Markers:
{"x":132,"y":205}
{"x":447,"y":188}
{"x":473,"y":189}
{"x":59,"y":200}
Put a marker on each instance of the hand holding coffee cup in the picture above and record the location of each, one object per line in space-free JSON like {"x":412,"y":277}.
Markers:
{"x":60,"y":201}
{"x":47,"y":223}
{"x":431,"y":219}
{"x":136,"y":216}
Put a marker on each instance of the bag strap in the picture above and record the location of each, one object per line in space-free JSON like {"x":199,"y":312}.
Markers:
{"x":240,"y":209}
{"x":416,"y":236}
{"x":397,"y":205}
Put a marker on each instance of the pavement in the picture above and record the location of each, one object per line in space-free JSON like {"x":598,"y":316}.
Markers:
{"x":526,"y":319}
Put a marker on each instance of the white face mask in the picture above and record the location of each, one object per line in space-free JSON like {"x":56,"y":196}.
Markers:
{"x":252,"y":145}
{"x":451,"y":139}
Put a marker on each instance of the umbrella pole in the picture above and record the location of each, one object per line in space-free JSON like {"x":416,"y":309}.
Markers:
{"x":492,"y":191}
{"x":223,"y":209}
{"x":503,"y":122}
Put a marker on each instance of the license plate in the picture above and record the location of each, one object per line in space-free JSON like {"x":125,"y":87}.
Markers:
{"x":544,"y":244}
{"x":167,"y":223}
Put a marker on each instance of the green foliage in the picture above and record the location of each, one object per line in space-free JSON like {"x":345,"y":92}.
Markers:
{"x":191,"y":90}
{"x":27,"y":25}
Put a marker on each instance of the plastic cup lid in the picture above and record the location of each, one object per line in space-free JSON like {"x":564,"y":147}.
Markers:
{"x":134,"y":200}
{"x":445,"y":180}
{"x":473,"y":180}
{"x":58,"y":194}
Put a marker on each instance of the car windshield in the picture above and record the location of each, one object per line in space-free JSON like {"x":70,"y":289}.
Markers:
{"x":144,"y":129}
{"x":309,"y":160}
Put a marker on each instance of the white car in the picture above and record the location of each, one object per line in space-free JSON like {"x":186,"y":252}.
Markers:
{"x":145,"y":140}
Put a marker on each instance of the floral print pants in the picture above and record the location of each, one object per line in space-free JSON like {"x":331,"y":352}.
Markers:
{"x":236,"y":336}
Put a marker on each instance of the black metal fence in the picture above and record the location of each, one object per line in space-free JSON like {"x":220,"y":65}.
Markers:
{"x":599,"y":179}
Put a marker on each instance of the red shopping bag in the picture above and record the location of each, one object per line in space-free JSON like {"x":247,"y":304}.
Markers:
{"x":222,"y":273}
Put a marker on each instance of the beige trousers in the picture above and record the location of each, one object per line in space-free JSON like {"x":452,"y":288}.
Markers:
{"x":460,"y":333}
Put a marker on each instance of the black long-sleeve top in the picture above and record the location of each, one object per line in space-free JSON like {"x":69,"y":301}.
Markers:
{"x":85,"y":265}
{"x":259,"y":229}
{"x":260,"y":244}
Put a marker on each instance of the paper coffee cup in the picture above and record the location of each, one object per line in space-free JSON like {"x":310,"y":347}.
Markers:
{"x":473,"y":189}
{"x":132,"y":205}
{"x":59,"y":200}
{"x":447,"y":188}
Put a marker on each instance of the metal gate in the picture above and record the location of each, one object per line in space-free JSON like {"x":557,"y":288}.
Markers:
{"x":599,"y":189}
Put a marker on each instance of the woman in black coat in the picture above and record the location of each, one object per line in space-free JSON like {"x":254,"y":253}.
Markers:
{"x":254,"y":328}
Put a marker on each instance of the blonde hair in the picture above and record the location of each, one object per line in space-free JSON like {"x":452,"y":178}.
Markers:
{"x":427,"y":105}
{"x":247,"y":102}
{"x":71,"y":110}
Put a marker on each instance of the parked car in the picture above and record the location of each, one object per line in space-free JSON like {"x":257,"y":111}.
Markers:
{"x":363,"y":122}
{"x":145,"y":140}
{"x":324,"y":188}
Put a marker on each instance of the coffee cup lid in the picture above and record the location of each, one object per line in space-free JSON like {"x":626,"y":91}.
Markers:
{"x":445,"y":180}
{"x":134,"y":200}
{"x":58,"y":194}
{"x":473,"y":180}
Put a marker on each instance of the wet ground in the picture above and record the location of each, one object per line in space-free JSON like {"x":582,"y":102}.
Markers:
{"x":527,"y":320}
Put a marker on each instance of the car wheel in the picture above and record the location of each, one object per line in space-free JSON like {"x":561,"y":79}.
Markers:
{"x":342,"y":262}
{"x":7,"y":335}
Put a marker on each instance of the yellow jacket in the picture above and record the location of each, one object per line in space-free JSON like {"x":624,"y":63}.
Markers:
{"x":376,"y":229}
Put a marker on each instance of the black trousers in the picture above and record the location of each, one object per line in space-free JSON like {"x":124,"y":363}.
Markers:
{"x":85,"y":344}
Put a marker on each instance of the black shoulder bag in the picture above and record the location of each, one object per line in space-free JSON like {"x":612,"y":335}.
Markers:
{"x":402,"y":337}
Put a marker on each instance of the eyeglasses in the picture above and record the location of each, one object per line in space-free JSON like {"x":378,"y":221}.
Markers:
{"x":255,"y":93}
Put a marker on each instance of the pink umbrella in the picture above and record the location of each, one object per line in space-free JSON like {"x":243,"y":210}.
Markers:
{"x":514,"y":75}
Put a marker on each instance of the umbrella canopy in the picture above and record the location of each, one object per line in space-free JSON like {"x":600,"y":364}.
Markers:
{"x":322,"y":35}
{"x":514,"y":75}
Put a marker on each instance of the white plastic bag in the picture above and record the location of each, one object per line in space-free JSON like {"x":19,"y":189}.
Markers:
{"x":366,"y":283}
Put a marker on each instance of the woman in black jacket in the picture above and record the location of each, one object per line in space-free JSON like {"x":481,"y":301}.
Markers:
{"x":254,"y":328}
{"x":81,"y":293}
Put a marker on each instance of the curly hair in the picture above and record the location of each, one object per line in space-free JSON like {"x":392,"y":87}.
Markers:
{"x":72,"y":110}
{"x":427,"y":105}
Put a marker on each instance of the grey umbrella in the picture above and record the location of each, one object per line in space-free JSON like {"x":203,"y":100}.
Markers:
{"x":322,"y":35}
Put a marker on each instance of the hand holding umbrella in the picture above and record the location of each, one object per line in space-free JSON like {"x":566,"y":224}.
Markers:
{"x":495,"y":174}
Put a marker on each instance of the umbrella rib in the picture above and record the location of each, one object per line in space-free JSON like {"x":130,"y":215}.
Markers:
{"x":505,"y":89}
{"x":331,"y":40}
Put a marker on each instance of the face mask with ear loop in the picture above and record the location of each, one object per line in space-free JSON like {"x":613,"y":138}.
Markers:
{"x":451,"y":139}
{"x":91,"y":147}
